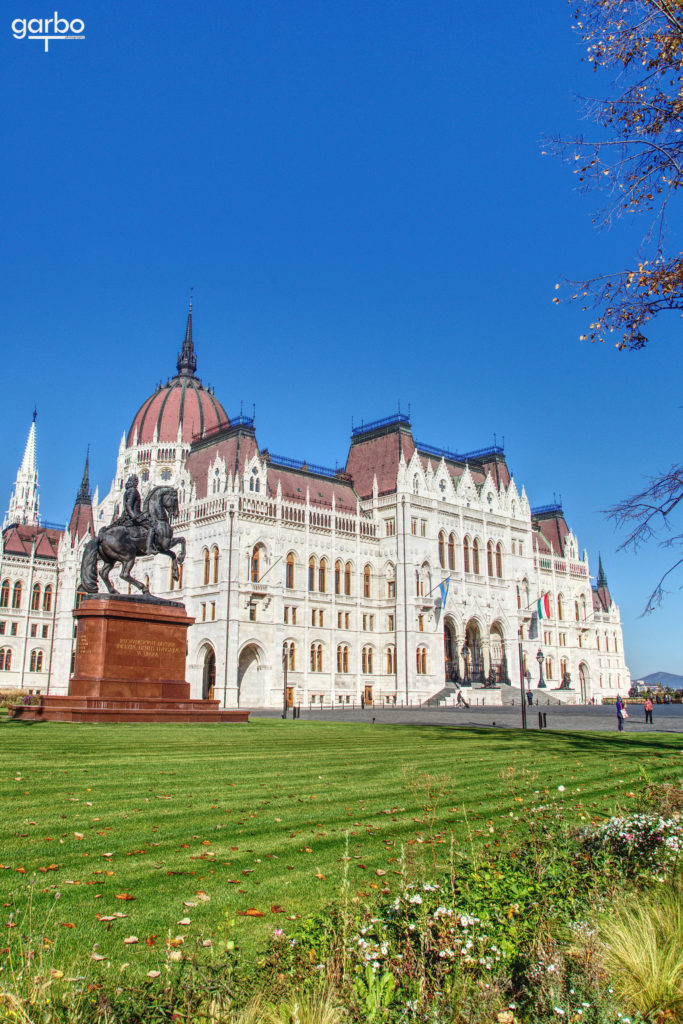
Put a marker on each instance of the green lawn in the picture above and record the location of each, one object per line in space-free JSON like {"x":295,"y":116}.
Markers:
{"x":255,"y":817}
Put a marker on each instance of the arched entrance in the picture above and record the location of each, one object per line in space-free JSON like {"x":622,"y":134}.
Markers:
{"x":450,"y":652}
{"x":209,"y":673}
{"x":249,"y":692}
{"x":474,"y":655}
{"x":583,"y":681}
{"x":497,"y":649}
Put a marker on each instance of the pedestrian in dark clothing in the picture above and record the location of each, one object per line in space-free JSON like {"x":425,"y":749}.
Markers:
{"x":622,"y":713}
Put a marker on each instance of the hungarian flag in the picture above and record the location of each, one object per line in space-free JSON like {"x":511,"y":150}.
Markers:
{"x":543,"y":606}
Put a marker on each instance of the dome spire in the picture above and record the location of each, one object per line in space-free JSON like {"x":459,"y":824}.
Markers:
{"x":187,"y":360}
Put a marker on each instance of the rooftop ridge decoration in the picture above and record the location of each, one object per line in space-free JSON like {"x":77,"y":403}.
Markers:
{"x":235,"y":421}
{"x":366,"y":428}
{"x":553,"y":508}
{"x":478,"y":453}
{"x":311,"y":467}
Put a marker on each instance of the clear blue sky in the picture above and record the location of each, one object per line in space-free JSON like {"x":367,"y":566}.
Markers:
{"x":357,"y":192}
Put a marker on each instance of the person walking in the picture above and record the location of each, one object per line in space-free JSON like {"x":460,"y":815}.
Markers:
{"x":648,"y":709}
{"x":621,"y":714}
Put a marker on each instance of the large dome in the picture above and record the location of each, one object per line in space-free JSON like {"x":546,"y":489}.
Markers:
{"x":181,"y":409}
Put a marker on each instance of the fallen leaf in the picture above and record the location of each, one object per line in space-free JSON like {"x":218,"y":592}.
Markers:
{"x":380,"y":872}
{"x":67,"y":924}
{"x":123,"y":896}
{"x":56,"y":974}
{"x":277,"y":909}
{"x":251,"y":912}
{"x":153,"y":974}
{"x":130,"y":941}
{"x":78,"y":835}
{"x":183,"y":922}
{"x":97,"y":956}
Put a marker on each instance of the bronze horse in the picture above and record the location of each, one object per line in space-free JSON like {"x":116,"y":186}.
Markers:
{"x":124,"y":543}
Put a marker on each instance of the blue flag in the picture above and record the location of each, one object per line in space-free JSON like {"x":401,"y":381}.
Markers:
{"x":443,"y":587}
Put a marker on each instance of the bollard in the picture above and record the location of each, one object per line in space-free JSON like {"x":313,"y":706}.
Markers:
{"x":540,"y":719}
{"x":545,"y":720}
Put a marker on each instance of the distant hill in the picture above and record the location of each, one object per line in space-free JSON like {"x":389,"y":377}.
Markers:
{"x":665,"y":679}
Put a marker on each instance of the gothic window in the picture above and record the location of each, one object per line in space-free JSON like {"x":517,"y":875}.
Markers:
{"x":147,"y":581}
{"x":391,"y":588}
{"x":367,"y":576}
{"x":583,"y":607}
{"x":311,"y":573}
{"x":207,"y":567}
{"x":322,"y":576}
{"x":337,"y":577}
{"x":4,"y":594}
{"x":416,"y":484}
{"x":466,"y":554}
{"x":347,"y":579}
{"x":519,"y":597}
{"x":289,"y":572}
{"x":560,"y":607}
{"x":5,"y":659}
{"x":255,"y":565}
{"x":549,"y":668}
{"x":489,"y":558}
{"x":36,"y":662}
{"x":16,"y":595}
{"x":451,"y":551}
{"x":442,"y":553}
{"x":47,"y":598}
{"x":316,"y":657}
{"x":499,"y":561}
{"x":290,"y":654}
{"x":216,"y":559}
{"x":366,"y":661}
{"x":342,"y":658}
{"x":166,"y":474}
{"x":421,"y":660}
{"x":475,"y":556}
{"x":576,"y":610}
{"x":391,"y":661}
{"x":35,"y":598}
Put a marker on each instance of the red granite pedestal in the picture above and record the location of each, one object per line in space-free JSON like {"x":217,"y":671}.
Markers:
{"x":130,"y":667}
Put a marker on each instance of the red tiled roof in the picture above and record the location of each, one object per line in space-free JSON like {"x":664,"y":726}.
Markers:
{"x":18,"y":540}
{"x":295,"y":484}
{"x":554,"y":530}
{"x":81,"y":521}
{"x":378,"y":456}
{"x":235,"y":451}
{"x":183,"y":401}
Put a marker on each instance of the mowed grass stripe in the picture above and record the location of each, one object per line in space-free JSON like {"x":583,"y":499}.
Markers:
{"x":254,"y":815}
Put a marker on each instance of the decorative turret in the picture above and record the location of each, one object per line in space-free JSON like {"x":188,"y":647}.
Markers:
{"x":602,"y":589}
{"x":187,"y":360}
{"x":602,"y":579}
{"x":81,"y":518}
{"x":23,"y":504}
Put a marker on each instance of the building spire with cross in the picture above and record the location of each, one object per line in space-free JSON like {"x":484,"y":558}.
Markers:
{"x":24,"y":502}
{"x":187,"y":360}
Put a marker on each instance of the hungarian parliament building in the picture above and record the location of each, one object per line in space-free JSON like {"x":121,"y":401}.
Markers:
{"x":411,"y":575}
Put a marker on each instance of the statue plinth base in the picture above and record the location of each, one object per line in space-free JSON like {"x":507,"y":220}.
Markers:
{"x":130,"y":666}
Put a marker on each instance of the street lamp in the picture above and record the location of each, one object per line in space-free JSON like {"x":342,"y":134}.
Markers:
{"x":521,"y":676}
{"x":284,"y":685}
{"x":465,"y":651}
{"x":541,"y":680}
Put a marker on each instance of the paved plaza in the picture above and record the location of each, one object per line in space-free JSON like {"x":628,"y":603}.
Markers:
{"x":667,"y":717}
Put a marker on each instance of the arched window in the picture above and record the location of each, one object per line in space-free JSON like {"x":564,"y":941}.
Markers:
{"x":342,"y":658}
{"x":290,"y":654}
{"x":421,"y":660}
{"x":311,"y":573}
{"x":564,"y":668}
{"x":391,"y":661}
{"x":466,"y":554}
{"x":519,"y":597}
{"x":451,"y":551}
{"x":489,"y":558}
{"x":4,"y":594}
{"x":36,"y":662}
{"x":442,"y":551}
{"x":147,"y":581}
{"x":322,"y":576}
{"x":549,"y":668}
{"x":338,"y":571}
{"x":207,"y":567}
{"x":560,"y":607}
{"x":367,"y":661}
{"x":255,"y":564}
{"x":316,"y":657}
{"x":47,"y":598}
{"x":416,"y":484}
{"x":289,"y":572}
{"x":597,"y":639}
{"x":576,"y":610}
{"x":5,"y":659}
{"x":216,"y":560}
{"x":347,"y":579}
{"x":16,"y":595}
{"x":475,"y":556}
{"x":367,"y":576}
{"x":583,"y":607}
{"x":35,"y":598}
{"x":499,"y":560}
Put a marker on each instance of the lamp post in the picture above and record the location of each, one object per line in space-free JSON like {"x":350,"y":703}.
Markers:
{"x":284,"y":685}
{"x":541,"y":680}
{"x":465,"y":651}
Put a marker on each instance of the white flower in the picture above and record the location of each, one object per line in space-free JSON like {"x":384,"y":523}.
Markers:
{"x":561,"y":789}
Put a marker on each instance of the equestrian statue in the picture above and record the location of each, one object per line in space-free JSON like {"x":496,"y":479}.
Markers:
{"x":142,"y":529}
